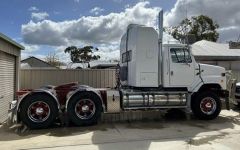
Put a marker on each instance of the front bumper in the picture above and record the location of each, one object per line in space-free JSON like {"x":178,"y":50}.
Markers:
{"x":237,"y":96}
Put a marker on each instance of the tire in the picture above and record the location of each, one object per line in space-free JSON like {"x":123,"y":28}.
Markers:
{"x":38,"y":111}
{"x":206,"y":105}
{"x":84,"y":109}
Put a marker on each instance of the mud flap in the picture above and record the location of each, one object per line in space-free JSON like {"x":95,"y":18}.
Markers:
{"x":12,"y":113}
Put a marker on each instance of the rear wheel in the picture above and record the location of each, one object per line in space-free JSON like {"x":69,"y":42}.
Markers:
{"x":84,"y":109}
{"x":206,"y":105}
{"x":38,"y":111}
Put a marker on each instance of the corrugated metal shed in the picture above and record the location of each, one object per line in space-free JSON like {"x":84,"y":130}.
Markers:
{"x":206,"y":50}
{"x":9,"y":73}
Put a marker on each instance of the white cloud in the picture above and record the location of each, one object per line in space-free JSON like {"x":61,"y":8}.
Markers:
{"x":96,"y":10}
{"x":39,"y":16}
{"x":33,"y":8}
{"x":225,"y":12}
{"x":102,"y":29}
{"x":44,"y":33}
{"x":30,"y":48}
{"x":26,"y":55}
{"x":108,"y":52}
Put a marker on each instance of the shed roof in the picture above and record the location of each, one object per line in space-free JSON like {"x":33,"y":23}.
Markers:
{"x":206,"y":50}
{"x":38,"y":63}
{"x":4,"y":37}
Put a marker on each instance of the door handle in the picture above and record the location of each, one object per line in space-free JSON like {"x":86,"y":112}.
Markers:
{"x":171,"y":73}
{"x":1,"y":97}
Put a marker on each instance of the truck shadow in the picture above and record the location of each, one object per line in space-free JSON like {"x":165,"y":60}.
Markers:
{"x":173,"y":127}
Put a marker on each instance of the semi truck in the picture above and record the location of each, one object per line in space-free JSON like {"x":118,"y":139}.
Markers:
{"x":152,"y":75}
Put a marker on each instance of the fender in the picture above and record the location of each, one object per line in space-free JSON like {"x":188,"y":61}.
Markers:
{"x":197,"y":88}
{"x":38,"y":91}
{"x":209,"y":74}
{"x":83,"y":89}
{"x":221,"y":81}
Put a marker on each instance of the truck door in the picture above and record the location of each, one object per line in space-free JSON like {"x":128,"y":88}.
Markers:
{"x":181,"y":67}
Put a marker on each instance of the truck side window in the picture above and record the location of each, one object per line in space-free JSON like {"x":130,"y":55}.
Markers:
{"x":127,"y":56}
{"x":180,"y":55}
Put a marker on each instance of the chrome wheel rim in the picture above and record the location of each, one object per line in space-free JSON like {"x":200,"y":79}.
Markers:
{"x":208,"y":105}
{"x":85,"y":109}
{"x":39,"y":111}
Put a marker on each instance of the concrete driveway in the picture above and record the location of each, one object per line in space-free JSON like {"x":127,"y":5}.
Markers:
{"x":171,"y":133}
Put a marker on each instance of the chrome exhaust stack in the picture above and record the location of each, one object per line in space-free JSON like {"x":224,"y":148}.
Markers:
{"x":160,"y":39}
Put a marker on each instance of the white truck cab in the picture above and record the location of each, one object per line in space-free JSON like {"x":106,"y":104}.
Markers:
{"x":146,"y":65}
{"x":156,"y":75}
{"x":181,"y":70}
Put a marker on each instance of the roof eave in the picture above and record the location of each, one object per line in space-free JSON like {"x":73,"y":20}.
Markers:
{"x":4,"y":37}
{"x":217,"y":58}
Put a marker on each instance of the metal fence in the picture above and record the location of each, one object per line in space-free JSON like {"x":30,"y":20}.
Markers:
{"x":98,"y":78}
{"x":236,"y":75}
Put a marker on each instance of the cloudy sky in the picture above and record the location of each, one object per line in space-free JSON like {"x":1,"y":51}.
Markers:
{"x":45,"y":26}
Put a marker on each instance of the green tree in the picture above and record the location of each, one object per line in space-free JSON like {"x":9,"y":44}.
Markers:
{"x":83,"y":54}
{"x":201,"y":27}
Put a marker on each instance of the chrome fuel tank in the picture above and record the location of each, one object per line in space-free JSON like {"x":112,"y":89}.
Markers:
{"x":155,"y":99}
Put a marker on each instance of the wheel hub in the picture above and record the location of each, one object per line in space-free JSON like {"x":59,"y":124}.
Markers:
{"x":208,"y":105}
{"x":85,"y":108}
{"x":39,"y":110}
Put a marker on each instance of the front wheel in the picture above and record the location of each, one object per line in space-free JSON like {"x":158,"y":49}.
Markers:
{"x":84,"y":109}
{"x":206,"y":105}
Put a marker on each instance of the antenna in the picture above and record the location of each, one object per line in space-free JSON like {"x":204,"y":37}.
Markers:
{"x":185,"y":28}
{"x":186,"y":8}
